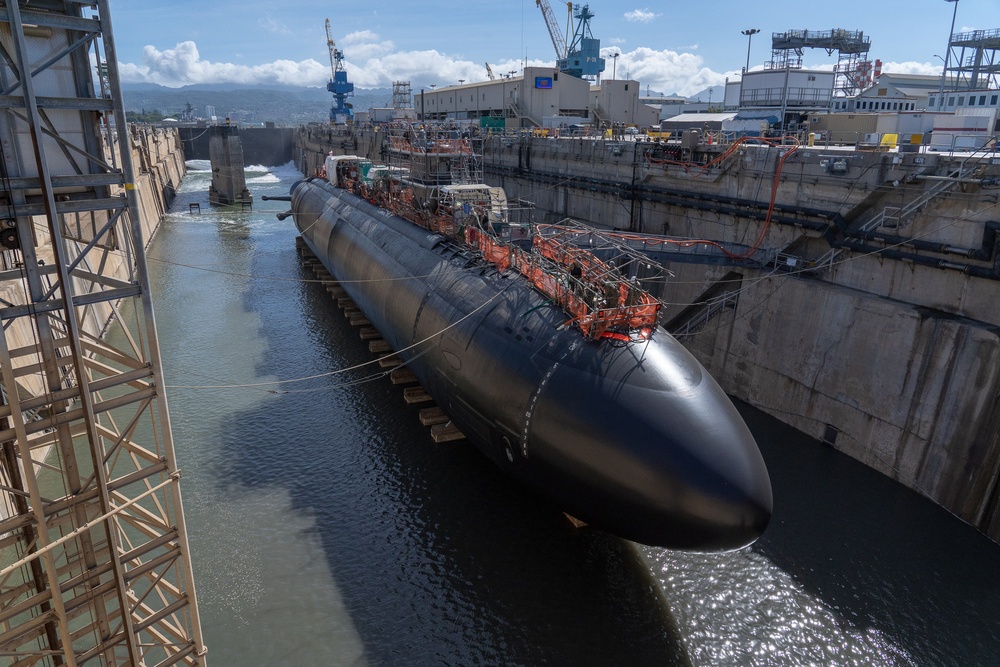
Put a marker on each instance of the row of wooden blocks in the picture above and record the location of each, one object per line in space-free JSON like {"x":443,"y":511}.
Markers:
{"x":442,"y":429}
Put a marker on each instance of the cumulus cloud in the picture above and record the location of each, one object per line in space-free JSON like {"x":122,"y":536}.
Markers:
{"x":911,"y":67}
{"x":640,"y":16}
{"x":668,"y":71}
{"x":372,"y":62}
{"x":364,"y":45}
{"x":182,"y":65}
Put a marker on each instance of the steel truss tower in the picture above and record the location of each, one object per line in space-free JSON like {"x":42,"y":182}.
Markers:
{"x":402,"y":98}
{"x":94,"y":561}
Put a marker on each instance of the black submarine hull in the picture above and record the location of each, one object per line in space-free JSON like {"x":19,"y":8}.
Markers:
{"x":636,"y":440}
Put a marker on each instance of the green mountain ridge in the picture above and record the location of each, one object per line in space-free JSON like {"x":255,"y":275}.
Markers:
{"x":288,"y":105}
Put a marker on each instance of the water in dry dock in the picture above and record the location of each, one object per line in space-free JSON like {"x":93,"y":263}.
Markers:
{"x":327,"y":529}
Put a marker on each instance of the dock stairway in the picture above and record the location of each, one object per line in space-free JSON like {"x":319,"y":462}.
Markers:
{"x":724,"y":294}
{"x":898,"y":217}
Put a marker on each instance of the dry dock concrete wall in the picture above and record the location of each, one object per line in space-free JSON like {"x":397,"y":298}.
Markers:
{"x":860,"y":306}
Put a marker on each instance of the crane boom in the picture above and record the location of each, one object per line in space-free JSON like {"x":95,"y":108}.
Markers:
{"x":489,"y":72}
{"x":558,"y":39}
{"x":332,"y":46}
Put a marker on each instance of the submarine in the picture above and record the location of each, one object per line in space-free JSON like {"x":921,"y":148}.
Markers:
{"x":632,"y":437}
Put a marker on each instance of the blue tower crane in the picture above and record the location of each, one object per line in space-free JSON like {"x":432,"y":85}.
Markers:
{"x":583,"y":57}
{"x":341,"y":112}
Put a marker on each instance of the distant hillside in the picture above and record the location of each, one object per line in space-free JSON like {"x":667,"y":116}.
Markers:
{"x":290,"y":105}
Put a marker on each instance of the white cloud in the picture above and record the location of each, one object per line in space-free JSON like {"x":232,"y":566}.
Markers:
{"x":183,"y":65}
{"x":640,"y":16}
{"x":374,"y":63}
{"x":668,"y":71}
{"x":911,"y":67}
{"x":364,"y":45}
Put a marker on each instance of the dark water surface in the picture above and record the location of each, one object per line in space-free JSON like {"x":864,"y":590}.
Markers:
{"x":327,"y":529}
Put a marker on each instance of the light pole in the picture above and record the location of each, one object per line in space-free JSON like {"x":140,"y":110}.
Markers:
{"x":611,"y":102}
{"x":947,"y":54}
{"x":749,"y":32}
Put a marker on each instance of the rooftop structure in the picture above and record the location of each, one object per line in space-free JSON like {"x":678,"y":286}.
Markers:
{"x":854,"y":70}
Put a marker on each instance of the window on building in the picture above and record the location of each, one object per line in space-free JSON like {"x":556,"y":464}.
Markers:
{"x":993,"y":101}
{"x":951,"y":100}
{"x":930,"y":102}
{"x":961,"y":100}
{"x":882,"y":92}
{"x":626,"y":86}
{"x":982,"y":100}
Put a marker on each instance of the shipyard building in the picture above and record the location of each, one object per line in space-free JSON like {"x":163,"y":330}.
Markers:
{"x":539,"y":97}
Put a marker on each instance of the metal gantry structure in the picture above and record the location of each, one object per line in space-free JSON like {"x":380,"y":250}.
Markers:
{"x":94,"y":558}
{"x":974,"y":60}
{"x":854,"y":70}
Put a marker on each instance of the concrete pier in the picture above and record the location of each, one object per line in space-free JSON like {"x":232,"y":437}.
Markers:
{"x":229,"y":185}
{"x":866,"y":316}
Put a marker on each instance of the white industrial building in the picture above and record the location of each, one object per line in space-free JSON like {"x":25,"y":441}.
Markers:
{"x":539,"y":97}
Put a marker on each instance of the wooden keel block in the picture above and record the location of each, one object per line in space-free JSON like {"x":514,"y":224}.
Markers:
{"x":413,"y":395}
{"x":389,"y":361}
{"x":402,"y":376}
{"x":379,"y":346}
{"x":432,"y":416}
{"x":446,"y":432}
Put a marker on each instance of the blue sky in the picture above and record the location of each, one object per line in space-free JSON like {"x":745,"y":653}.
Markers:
{"x":671,"y":47}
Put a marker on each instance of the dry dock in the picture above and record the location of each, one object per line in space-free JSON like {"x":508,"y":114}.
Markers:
{"x":857,"y":302}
